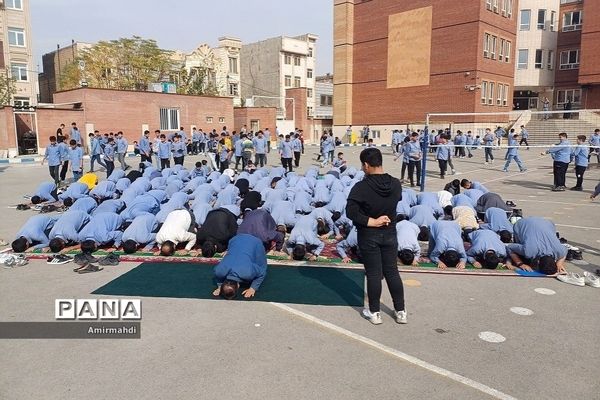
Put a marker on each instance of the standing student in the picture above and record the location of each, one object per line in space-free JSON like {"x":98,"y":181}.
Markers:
{"x":415,"y":155}
{"x":372,"y":206}
{"x":76,"y":160}
{"x":286,"y":152}
{"x":144,"y":147}
{"x":164,"y":152}
{"x":561,"y":154}
{"x":580,"y":155}
{"x":524,"y":137}
{"x":297,"y":148}
{"x":261,"y":147}
{"x":109,"y":156}
{"x":95,"y":152}
{"x":268,"y":138}
{"x":224,"y":156}
{"x":64,"y":157}
{"x":469,"y":140}
{"x":75,"y":134}
{"x":513,"y":153}
{"x":443,"y":154}
{"x":122,"y":150}
{"x":488,"y":142}
{"x":595,"y":145}
{"x":52,"y":154}
{"x":179,"y":150}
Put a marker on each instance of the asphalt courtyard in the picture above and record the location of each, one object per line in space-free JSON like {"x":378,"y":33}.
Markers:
{"x":468,"y":337}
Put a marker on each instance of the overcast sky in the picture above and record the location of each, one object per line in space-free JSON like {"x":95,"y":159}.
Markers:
{"x":181,"y":25}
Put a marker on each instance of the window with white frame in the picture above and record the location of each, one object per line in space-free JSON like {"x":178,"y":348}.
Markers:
{"x":297,"y":61}
{"x":14,"y":4}
{"x":491,"y":93}
{"x":309,"y":111}
{"x":569,"y":59}
{"x":233,"y":65}
{"x":309,"y":73}
{"x":499,"y":94}
{"x":21,"y":102}
{"x":16,"y":37}
{"x":563,"y":96}
{"x":493,"y":48}
{"x":169,"y":119}
{"x":509,"y":8}
{"x":488,"y":4}
{"x":550,"y":60}
{"x":254,"y":125}
{"x":287,"y":59}
{"x":375,"y":134}
{"x":486,"y":45}
{"x":539,"y":59}
{"x":484,"y":86}
{"x":296,"y":81}
{"x":541,"y":19}
{"x":326,"y":100}
{"x":503,"y":8}
{"x":507,"y":51}
{"x":209,"y":120}
{"x":309,"y":93}
{"x":234,"y":89}
{"x":495,"y":6}
{"x":505,"y":95}
{"x":288,"y":81}
{"x":310,"y":51}
{"x":553,"y":21}
{"x":522,"y":60}
{"x":572,"y":21}
{"x":525,"y":20}
{"x":501,"y":49}
{"x":19,"y":72}
{"x":221,"y":120}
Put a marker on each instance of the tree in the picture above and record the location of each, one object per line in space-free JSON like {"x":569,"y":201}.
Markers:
{"x":125,"y":64}
{"x":198,"y":81}
{"x":8,"y":87}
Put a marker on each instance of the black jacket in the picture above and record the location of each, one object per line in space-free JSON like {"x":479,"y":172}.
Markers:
{"x":374,"y":196}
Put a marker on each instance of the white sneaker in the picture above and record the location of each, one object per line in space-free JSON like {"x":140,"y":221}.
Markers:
{"x":374,"y":318}
{"x":591,"y":279}
{"x":401,"y":317}
{"x":572,"y":278}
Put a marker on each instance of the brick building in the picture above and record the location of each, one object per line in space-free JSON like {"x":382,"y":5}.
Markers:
{"x":578,"y":61}
{"x":397,"y":60}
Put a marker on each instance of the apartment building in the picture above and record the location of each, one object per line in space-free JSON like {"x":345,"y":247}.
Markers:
{"x":397,"y":60}
{"x":537,"y":35}
{"x":272,"y":67}
{"x":16,"y":52}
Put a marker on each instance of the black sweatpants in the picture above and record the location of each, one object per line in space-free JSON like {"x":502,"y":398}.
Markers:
{"x":379,"y":251}
{"x":297,"y":158}
{"x":412,"y":164}
{"x":54,"y":173}
{"x":443,"y":167}
{"x":287,"y":164}
{"x":165,"y":163}
{"x":178,"y":160}
{"x":110,"y":167}
{"x":560,"y":172}
{"x":579,"y":171}
{"x":489,"y":155}
{"x":404,"y":167}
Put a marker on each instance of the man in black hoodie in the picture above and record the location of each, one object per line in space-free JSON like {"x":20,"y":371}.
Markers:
{"x":371,"y":206}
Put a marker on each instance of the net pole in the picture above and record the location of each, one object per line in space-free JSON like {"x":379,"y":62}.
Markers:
{"x":424,"y":151}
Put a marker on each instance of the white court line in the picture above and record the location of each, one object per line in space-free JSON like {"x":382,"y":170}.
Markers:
{"x":398,"y":354}
{"x":509,"y":176}
{"x":578,"y":227}
{"x":558,"y":202}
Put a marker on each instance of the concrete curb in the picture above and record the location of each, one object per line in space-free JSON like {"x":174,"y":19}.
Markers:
{"x":38,"y":159}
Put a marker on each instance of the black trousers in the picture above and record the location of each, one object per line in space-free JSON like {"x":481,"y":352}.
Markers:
{"x":110,"y":167}
{"x":54,"y":173}
{"x":404,"y":167}
{"x":443,"y":167}
{"x":201,"y":147}
{"x":412,"y":165}
{"x":146,"y":158}
{"x":489,"y":155}
{"x":560,"y":172}
{"x":379,"y":251}
{"x":523,"y":140}
{"x":287,"y":164}
{"x":268,"y":146}
{"x":260,"y":159}
{"x":579,"y":171}
{"x":63,"y":170}
{"x":223,"y":165}
{"x":297,"y":158}
{"x":165,"y":163}
{"x":178,"y":160}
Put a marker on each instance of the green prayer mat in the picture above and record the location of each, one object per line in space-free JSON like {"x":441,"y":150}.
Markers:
{"x":324,"y":286}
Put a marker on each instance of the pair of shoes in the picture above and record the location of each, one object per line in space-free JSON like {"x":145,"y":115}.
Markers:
{"x":84,"y":258}
{"x":562,"y":188}
{"x":591,"y":279}
{"x":110,"y":259}
{"x":401,"y":317}
{"x":577,"y":188}
{"x":87,"y":268}
{"x":442,"y":177}
{"x":453,"y":172}
{"x":572,"y":279}
{"x":510,"y":203}
{"x":59,"y":259}
{"x":375,"y":318}
{"x":23,"y":207}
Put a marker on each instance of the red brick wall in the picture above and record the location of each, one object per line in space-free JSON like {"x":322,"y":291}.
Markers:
{"x":456,"y":61}
{"x":568,"y":41}
{"x":266,"y":117}
{"x":48,"y":121}
{"x":8,"y":137}
{"x":300,"y":103}
{"x":589,"y":71}
{"x":127,"y":111}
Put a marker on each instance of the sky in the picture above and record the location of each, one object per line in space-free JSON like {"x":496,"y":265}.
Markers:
{"x":181,"y":25}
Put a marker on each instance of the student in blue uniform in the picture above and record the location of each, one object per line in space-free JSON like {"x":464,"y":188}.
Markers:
{"x":34,"y":233}
{"x":141,"y":232}
{"x":350,"y":244}
{"x":561,"y":154}
{"x":487,"y":250}
{"x":304,"y":239}
{"x":446,"y":246}
{"x":65,"y":231}
{"x":244,"y":264}
{"x":259,"y":223}
{"x":46,"y":191}
{"x":409,"y":250}
{"x":76,"y":159}
{"x":496,"y":220}
{"x":580,"y":156}
{"x":102,"y":229}
{"x":53,"y":156}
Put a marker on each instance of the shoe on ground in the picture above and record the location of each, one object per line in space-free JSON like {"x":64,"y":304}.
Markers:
{"x":374,"y":318}
{"x":59,"y":259}
{"x":453,"y":172}
{"x":504,"y":170}
{"x":524,"y":170}
{"x":577,"y":188}
{"x":572,"y":279}
{"x":562,"y":188}
{"x":555,"y":188}
{"x":591,"y":279}
{"x":110,"y":259}
{"x":401,"y":317}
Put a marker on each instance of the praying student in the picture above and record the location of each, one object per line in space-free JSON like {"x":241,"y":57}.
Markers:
{"x":178,"y":228}
{"x":141,"y":232}
{"x":65,"y":231}
{"x":350,"y":244}
{"x":465,"y":217}
{"x":104,"y":190}
{"x":421,"y":215}
{"x":244,"y":264}
{"x":467,"y":184}
{"x":259,"y":223}
{"x":90,"y":179}
{"x":487,"y":250}
{"x":86,"y":204}
{"x":446,"y":246}
{"x":536,"y":247}
{"x":102,"y":229}
{"x":34,"y":233}
{"x":409,"y":250}
{"x":216,"y":232}
{"x":46,"y":191}
{"x":76,"y":190}
{"x":304,"y":239}
{"x":496,"y":220}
